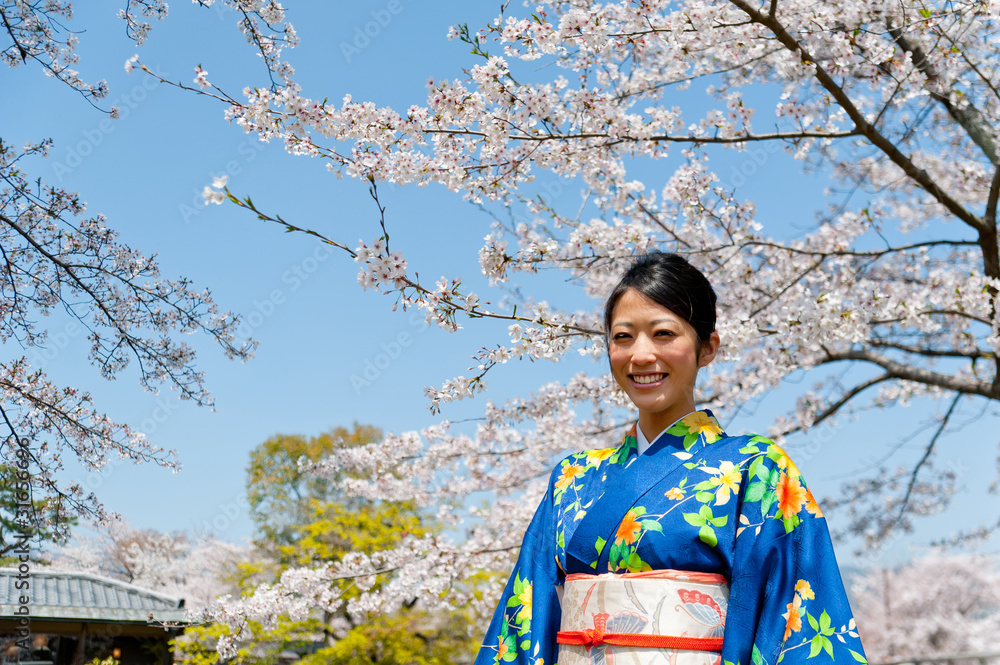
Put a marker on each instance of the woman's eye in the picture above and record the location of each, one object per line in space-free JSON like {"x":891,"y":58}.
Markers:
{"x":664,"y":333}
{"x":621,"y":336}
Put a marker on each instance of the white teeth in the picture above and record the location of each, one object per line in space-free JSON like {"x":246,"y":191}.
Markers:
{"x":648,"y":378}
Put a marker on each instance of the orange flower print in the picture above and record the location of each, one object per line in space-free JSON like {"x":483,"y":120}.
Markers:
{"x":700,"y":423}
{"x":793,"y":617}
{"x":791,"y":495}
{"x":595,"y":457}
{"x":811,"y":504}
{"x":628,"y":530}
{"x":569,"y":472}
{"x":804,"y":589}
{"x":785,"y":462}
{"x":502,"y":650}
{"x":675,"y":493}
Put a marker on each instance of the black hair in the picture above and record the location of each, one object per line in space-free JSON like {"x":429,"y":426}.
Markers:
{"x":671,"y":282}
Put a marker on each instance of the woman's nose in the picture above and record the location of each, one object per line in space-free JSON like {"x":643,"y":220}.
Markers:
{"x":643,"y":350}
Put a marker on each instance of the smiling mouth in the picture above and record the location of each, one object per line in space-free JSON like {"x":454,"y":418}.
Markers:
{"x":648,"y":378}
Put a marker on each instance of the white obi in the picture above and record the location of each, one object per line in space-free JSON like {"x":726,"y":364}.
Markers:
{"x":661,"y":617}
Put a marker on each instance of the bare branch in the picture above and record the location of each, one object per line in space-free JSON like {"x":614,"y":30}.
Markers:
{"x":924,"y":458}
{"x":933,"y":353}
{"x":844,"y":399}
{"x":915,"y":374}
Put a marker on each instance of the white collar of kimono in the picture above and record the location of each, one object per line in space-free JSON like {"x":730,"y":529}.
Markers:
{"x":641,"y":438}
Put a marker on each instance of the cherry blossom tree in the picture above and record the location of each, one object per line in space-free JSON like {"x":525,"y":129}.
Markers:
{"x":890,"y":297}
{"x":198,"y":571}
{"x":936,"y":605}
{"x":59,"y":259}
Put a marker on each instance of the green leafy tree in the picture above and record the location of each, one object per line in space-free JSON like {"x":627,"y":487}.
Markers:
{"x":42,"y":522}
{"x":300,"y":521}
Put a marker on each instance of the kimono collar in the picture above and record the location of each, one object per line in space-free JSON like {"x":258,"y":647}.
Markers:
{"x":681,"y":435}
{"x":628,"y":482}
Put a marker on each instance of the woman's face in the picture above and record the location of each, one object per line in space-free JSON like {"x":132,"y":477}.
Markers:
{"x":654,"y":358}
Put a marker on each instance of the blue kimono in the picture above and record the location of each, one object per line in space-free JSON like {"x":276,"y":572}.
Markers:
{"x":696,"y":500}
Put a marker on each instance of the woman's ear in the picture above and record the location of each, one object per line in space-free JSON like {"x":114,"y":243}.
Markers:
{"x":709,"y":348}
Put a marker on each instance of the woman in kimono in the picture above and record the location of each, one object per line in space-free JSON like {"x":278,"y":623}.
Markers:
{"x":684,"y":545}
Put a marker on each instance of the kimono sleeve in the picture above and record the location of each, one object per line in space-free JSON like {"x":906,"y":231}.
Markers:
{"x":526,"y":620}
{"x":787,"y":601}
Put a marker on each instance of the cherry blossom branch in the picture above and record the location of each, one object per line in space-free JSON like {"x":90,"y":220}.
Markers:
{"x":614,"y":140}
{"x":966,"y":115}
{"x":453,"y":306}
{"x":919,"y":176}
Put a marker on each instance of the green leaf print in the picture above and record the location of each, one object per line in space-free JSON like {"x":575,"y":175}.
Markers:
{"x":858,"y":657}
{"x":651,"y":525}
{"x":816,"y":646}
{"x":755,"y":657}
{"x":707,"y":536}
{"x":772,"y":480}
{"x":507,"y":647}
{"x":813,"y":622}
{"x":755,"y":492}
{"x":599,"y":545}
{"x":824,"y":624}
{"x":766,"y":503}
{"x":791,"y":522}
{"x":690,"y":440}
{"x":635,"y":564}
{"x":694,"y":519}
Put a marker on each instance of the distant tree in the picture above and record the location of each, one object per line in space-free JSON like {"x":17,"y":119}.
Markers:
{"x":936,"y":605}
{"x":302,"y":522}
{"x":197,"y":570}
{"x":43,"y":522}
{"x":283,"y":495}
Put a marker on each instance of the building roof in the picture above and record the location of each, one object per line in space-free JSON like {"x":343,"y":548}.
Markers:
{"x":85,"y":596}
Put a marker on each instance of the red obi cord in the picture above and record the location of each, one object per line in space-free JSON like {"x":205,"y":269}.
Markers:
{"x":595,"y":638}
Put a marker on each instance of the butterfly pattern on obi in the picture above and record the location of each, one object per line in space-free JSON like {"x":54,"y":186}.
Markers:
{"x":704,"y":609}
{"x":623,"y":621}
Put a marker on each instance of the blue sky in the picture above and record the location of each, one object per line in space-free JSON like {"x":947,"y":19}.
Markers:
{"x":316,"y":327}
